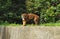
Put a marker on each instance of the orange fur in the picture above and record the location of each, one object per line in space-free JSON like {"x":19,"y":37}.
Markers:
{"x":27,"y":17}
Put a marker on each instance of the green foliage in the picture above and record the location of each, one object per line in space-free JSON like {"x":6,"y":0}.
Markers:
{"x":11,"y":10}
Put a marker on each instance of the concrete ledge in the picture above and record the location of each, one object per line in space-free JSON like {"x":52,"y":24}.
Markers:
{"x":30,"y":32}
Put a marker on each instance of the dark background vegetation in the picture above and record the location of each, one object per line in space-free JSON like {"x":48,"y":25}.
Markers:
{"x":11,"y":10}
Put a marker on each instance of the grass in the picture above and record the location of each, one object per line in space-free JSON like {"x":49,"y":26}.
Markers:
{"x":51,"y":24}
{"x":12,"y":24}
{"x":45,"y":24}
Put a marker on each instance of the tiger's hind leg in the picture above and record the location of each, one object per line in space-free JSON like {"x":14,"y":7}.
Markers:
{"x":36,"y":21}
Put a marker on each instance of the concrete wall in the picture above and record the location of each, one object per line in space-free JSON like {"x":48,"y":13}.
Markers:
{"x":29,"y":32}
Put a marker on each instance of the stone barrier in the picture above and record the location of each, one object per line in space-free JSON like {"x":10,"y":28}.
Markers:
{"x":30,"y":32}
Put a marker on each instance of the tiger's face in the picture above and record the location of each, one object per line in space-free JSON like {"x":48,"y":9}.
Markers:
{"x":24,"y":16}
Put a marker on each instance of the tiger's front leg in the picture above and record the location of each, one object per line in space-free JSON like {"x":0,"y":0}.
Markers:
{"x":24,"y":22}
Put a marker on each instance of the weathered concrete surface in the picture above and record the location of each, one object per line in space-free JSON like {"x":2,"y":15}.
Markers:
{"x":1,"y":32}
{"x":30,"y":32}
